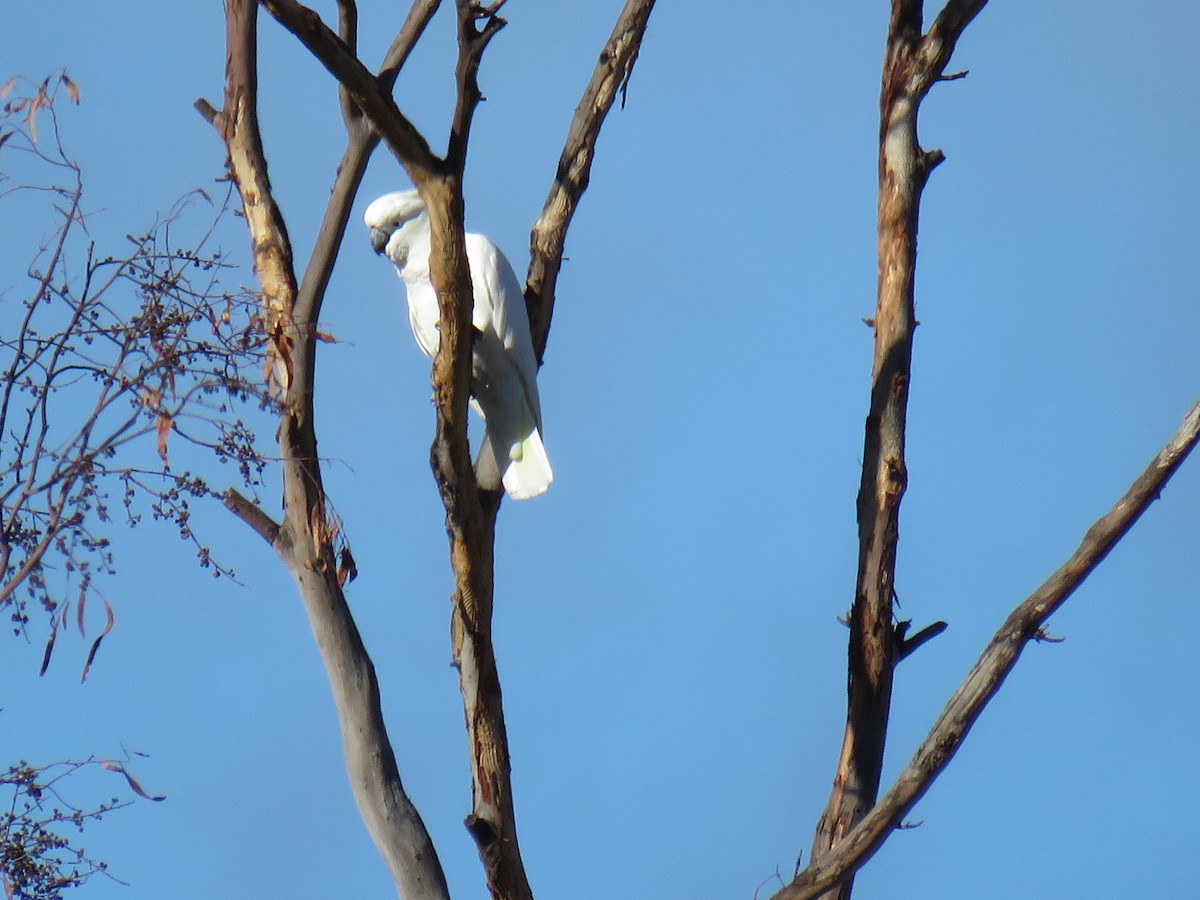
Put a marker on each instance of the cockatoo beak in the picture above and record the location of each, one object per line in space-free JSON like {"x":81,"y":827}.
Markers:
{"x":379,"y":239}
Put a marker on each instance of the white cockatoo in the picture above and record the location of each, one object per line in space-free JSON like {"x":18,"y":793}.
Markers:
{"x":504,"y":367}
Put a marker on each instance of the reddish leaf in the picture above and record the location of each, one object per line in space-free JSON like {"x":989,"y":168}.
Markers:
{"x":325,"y":336}
{"x":79,"y":608}
{"x":72,"y":88}
{"x":347,"y":571}
{"x":108,"y":626}
{"x":37,"y":103}
{"x":163,"y":429}
{"x":48,"y":651}
{"x":8,"y":86}
{"x":137,"y":788}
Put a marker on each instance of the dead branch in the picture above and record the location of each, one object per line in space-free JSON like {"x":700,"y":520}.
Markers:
{"x":1023,"y":625}
{"x":470,"y":512}
{"x":912,"y":64}
{"x":307,"y":538}
{"x":549,"y":235}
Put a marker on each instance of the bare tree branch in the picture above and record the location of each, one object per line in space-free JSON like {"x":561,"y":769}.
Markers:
{"x":363,"y":88}
{"x":418,"y":17}
{"x":1024,"y":624}
{"x":912,"y":64}
{"x":472,"y":525}
{"x":306,"y":538}
{"x":549,"y":234}
{"x":362,"y":140}
{"x":470,"y":512}
{"x":251,"y":513}
{"x":947,"y":28}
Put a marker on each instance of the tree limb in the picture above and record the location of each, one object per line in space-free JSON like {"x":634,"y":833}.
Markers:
{"x":362,"y":140}
{"x":912,"y":63}
{"x":251,"y":513}
{"x":470,"y":512}
{"x":363,"y":88}
{"x":985,"y":678}
{"x":549,"y":235}
{"x":305,"y":539}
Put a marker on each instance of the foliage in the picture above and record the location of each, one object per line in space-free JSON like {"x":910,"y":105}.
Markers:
{"x":116,"y":358}
{"x":37,"y":860}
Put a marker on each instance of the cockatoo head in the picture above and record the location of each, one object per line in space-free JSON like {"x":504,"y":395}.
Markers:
{"x":397,"y":221}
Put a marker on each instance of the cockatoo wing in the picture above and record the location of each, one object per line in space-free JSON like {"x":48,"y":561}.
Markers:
{"x":505,"y":371}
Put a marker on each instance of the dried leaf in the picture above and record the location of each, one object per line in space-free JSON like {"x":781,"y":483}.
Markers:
{"x":8,"y":86}
{"x":71,"y":86}
{"x":163,"y":428}
{"x":347,"y":571}
{"x":325,"y":336}
{"x":133,"y":783}
{"x":96,"y":643}
{"x":87,"y":666}
{"x":37,"y":103}
{"x":49,"y":650}
{"x":282,"y":345}
{"x":4,"y":137}
{"x":151,"y":398}
{"x":84,"y":583}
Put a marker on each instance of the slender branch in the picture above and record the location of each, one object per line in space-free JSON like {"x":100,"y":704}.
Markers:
{"x":472,"y":41}
{"x":1024,"y":624}
{"x":363,"y":88}
{"x":909,"y":645}
{"x":470,"y":512}
{"x":412,"y":29}
{"x":945,"y":31}
{"x":348,"y":32}
{"x":912,"y":64}
{"x":549,"y":234}
{"x":472,"y":523}
{"x":362,"y":140}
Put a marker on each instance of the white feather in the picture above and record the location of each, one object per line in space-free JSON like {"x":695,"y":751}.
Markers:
{"x":504,"y":367}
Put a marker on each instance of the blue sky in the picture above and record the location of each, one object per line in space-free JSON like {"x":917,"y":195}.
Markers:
{"x":673,"y":670}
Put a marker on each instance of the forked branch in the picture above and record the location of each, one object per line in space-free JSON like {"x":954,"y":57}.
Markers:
{"x":1024,"y":624}
{"x":306,"y":538}
{"x":912,"y":64}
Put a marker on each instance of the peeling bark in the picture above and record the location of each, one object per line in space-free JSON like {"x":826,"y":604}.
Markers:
{"x":912,"y":64}
{"x":964,"y":708}
{"x":304,"y":540}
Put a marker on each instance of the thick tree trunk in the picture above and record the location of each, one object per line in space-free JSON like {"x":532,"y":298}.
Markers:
{"x":305,"y":539}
